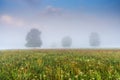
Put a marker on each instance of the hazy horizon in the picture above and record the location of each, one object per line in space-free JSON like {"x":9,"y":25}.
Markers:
{"x":57,"y":19}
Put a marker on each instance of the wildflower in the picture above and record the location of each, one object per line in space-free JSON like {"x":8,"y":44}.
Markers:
{"x":44,"y":75}
{"x":39,"y":61}
{"x":80,"y":73}
{"x":87,"y":60}
{"x":118,"y":79}
{"x":22,"y":68}
{"x":70,"y":79}
{"x":76,"y":76}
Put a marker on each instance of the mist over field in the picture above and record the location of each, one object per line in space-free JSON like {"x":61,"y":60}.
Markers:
{"x":57,"y":19}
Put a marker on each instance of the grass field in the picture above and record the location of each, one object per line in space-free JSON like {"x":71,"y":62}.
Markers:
{"x":60,"y":64}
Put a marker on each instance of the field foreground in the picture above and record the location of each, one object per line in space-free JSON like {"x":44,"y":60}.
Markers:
{"x":60,"y":65}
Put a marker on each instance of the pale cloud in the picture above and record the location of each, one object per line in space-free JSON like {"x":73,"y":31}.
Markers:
{"x":52,"y":11}
{"x":33,"y":2}
{"x":12,"y":21}
{"x":9,"y":20}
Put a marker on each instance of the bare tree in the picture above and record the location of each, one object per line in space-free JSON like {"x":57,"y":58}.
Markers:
{"x":67,"y":41}
{"x":33,"y":38}
{"x":94,"y":39}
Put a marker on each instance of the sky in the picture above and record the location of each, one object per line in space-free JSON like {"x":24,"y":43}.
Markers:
{"x":57,"y":19}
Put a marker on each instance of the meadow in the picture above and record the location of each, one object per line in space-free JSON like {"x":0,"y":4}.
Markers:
{"x":60,"y":64}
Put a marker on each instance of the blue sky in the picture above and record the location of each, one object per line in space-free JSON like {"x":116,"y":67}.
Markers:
{"x":88,"y":5}
{"x":59,"y":18}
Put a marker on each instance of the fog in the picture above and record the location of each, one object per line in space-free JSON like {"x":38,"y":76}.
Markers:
{"x":56,"y":22}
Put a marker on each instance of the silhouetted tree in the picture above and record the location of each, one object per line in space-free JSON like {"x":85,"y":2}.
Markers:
{"x":67,"y":41}
{"x":33,"y":38}
{"x":94,"y":39}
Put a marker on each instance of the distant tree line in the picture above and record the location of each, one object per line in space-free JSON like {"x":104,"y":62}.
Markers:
{"x":33,"y":39}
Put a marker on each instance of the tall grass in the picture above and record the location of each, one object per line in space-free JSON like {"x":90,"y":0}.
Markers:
{"x":60,"y":65}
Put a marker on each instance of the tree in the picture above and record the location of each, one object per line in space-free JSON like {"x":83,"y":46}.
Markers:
{"x":67,"y":41}
{"x":94,"y":39}
{"x":33,"y":38}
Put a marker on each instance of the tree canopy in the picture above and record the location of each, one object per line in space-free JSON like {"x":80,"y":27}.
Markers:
{"x":33,"y":38}
{"x":94,"y":39}
{"x":67,"y":41}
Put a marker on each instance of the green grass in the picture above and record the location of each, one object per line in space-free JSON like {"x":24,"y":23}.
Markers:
{"x":60,"y":65}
